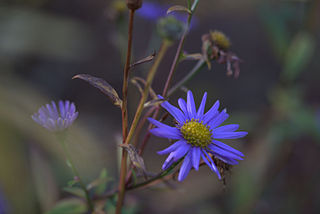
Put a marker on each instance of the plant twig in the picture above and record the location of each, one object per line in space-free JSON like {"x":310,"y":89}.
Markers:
{"x":163,"y":49}
{"x":124,"y":109}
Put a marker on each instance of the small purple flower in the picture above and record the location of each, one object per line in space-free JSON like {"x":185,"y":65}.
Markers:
{"x":54,"y":119}
{"x":196,"y":135}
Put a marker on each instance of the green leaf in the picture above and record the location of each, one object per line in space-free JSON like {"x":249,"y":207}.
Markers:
{"x":69,"y":164}
{"x":101,"y":84}
{"x":72,"y":182}
{"x":178,"y":8}
{"x":77,"y":191}
{"x":69,"y":206}
{"x":298,"y":55}
{"x":100,"y":183}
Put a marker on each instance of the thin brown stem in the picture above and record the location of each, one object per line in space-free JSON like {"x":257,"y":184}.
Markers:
{"x":123,"y":169}
{"x":163,"y":49}
{"x":176,"y":59}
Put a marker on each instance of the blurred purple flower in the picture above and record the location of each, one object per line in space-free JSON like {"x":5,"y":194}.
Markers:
{"x":54,"y":119}
{"x":153,"y":11}
{"x":195,"y":134}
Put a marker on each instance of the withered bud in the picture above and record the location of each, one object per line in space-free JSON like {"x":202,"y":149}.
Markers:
{"x":134,"y":4}
{"x":215,"y":46}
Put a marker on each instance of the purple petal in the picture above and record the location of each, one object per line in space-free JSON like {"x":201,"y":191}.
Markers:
{"x":168,"y":162}
{"x":72,"y":108}
{"x":202,"y":105}
{"x":55,"y":110}
{"x":217,"y":150}
{"x":50,"y":111}
{"x":172,"y":148}
{"x":218,"y":120}
{"x":207,"y":162}
{"x":213,"y":112}
{"x":159,"y":124}
{"x":226,"y":147}
{"x":183,"y":106}
{"x":174,"y":111}
{"x":62,"y":109}
{"x":215,"y":169}
{"x":181,"y":151}
{"x":175,"y":156}
{"x":66,"y":107}
{"x":191,"y":107}
{"x":172,"y":133}
{"x":185,"y":167}
{"x":227,"y":128}
{"x":229,"y":135}
{"x":196,"y":157}
{"x":229,"y":161}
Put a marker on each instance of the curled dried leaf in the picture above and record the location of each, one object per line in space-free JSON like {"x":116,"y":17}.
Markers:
{"x":136,"y":80}
{"x":144,"y":60}
{"x":135,"y":158}
{"x":103,"y":86}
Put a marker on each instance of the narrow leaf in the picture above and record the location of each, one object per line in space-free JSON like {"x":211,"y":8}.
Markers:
{"x":75,"y":191}
{"x":101,"y":84}
{"x":136,"y":81}
{"x":178,"y":8}
{"x":144,"y":60}
{"x":68,"y":206}
{"x":100,"y":182}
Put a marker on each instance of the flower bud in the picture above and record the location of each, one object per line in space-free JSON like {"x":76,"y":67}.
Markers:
{"x":170,"y":28}
{"x":134,"y":4}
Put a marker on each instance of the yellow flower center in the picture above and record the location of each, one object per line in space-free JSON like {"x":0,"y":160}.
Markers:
{"x":196,"y":133}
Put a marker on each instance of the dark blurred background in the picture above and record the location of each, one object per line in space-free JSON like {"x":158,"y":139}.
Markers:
{"x":43,"y":44}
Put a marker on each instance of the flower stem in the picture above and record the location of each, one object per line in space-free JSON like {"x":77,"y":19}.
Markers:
{"x":163,"y":49}
{"x":75,"y":171}
{"x":172,"y":70}
{"x":201,"y":63}
{"x":179,"y":50}
{"x":124,"y":109}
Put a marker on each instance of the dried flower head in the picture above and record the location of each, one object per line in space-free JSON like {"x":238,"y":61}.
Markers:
{"x":54,"y":119}
{"x":134,"y":4}
{"x":215,"y":46}
{"x":196,"y":136}
{"x":220,"y":39}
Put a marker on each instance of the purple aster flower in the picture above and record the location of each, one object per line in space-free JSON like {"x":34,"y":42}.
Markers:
{"x":196,"y":135}
{"x":54,"y":119}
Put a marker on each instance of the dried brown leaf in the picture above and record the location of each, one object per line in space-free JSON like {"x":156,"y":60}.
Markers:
{"x":103,"y":86}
